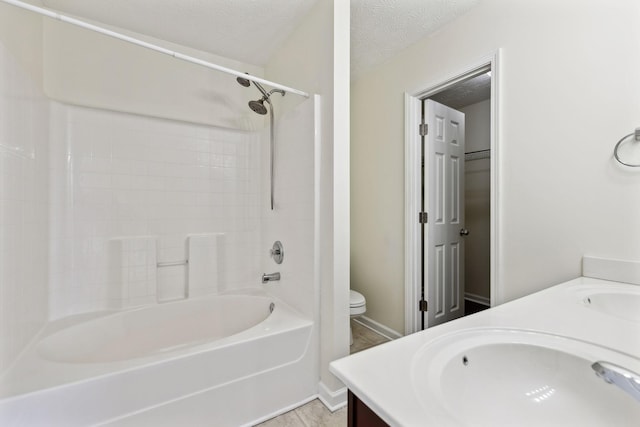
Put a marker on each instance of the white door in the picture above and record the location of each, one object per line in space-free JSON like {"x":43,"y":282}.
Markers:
{"x":444,"y":248}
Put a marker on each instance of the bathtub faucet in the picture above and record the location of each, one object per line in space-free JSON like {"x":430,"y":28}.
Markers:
{"x":270,"y":277}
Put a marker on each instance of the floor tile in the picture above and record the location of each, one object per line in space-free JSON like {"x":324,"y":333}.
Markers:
{"x":288,"y":419}
{"x":315,"y":414}
{"x":364,"y":338}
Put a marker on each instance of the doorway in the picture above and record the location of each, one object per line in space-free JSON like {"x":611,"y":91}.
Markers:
{"x":451,"y":198}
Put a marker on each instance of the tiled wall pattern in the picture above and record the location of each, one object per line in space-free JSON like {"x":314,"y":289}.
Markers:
{"x":133,"y":264}
{"x":23,"y":208}
{"x":116,"y":175}
{"x":91,"y":200}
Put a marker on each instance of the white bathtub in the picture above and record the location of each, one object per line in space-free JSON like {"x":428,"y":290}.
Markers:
{"x":217,"y":361}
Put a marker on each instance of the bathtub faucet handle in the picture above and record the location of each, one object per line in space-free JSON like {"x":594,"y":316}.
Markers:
{"x":270,"y":277}
{"x":277,"y":252}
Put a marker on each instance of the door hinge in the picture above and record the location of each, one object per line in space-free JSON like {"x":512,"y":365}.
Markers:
{"x":422,"y":305}
{"x":423,"y":129}
{"x":423,"y":217}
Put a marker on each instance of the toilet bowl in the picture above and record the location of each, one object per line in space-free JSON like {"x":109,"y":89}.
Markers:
{"x":357,"y":307}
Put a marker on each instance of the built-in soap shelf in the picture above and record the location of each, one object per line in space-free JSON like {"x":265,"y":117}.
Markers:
{"x":206,"y":258}
{"x":138,"y":277}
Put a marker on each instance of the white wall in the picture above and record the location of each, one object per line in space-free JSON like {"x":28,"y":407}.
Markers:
{"x":24,"y":232}
{"x":315,"y":59}
{"x":90,"y":69}
{"x":477,"y":189}
{"x":568,"y":93}
{"x":477,"y":126}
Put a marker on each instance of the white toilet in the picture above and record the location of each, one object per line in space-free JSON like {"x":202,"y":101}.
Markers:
{"x":357,"y":307}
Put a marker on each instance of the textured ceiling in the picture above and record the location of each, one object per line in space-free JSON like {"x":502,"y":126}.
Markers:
{"x":381,"y":28}
{"x":245,"y":30}
{"x":251,"y":30}
{"x":466,"y":93}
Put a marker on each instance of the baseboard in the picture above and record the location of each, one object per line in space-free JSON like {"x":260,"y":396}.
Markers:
{"x":333,"y":400}
{"x":378,"y":328}
{"x":478,"y":299}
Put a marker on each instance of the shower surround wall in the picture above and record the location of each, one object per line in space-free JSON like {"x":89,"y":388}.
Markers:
{"x":127,"y":180}
{"x":121,"y":182}
{"x":24,"y":198}
{"x":293,"y":220}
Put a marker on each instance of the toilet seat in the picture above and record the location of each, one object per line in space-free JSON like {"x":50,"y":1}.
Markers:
{"x":356,"y":299}
{"x":357,"y":303}
{"x":357,"y":307}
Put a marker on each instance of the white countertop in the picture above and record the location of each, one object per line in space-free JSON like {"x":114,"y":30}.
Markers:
{"x":381,"y":376}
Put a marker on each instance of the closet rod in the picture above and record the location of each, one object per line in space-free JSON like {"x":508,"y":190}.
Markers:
{"x":73,"y":21}
{"x":477,"y":155}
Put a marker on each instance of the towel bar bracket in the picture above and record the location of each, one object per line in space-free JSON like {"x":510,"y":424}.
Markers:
{"x":636,"y":137}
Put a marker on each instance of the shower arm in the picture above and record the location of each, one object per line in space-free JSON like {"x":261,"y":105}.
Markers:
{"x":262,"y":90}
{"x":267,"y":95}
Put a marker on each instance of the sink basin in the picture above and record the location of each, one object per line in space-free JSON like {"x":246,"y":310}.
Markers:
{"x":619,"y":302}
{"x":514,"y":377}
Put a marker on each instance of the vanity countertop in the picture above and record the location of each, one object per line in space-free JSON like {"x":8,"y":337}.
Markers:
{"x":383,"y":377}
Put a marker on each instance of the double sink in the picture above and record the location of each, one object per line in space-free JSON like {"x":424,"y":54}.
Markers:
{"x":568,"y":355}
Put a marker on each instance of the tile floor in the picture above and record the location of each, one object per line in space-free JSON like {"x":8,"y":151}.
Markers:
{"x":314,"y":413}
{"x":364,"y":338}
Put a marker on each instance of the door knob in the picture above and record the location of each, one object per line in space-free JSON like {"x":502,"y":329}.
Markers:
{"x":464,"y":232}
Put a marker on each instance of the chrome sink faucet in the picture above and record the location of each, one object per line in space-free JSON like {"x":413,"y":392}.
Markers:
{"x":623,"y":378}
{"x":270,"y":277}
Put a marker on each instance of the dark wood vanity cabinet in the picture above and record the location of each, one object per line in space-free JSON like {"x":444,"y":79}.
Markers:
{"x":360,"y":415}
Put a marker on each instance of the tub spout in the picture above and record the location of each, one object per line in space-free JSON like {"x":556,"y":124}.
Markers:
{"x":621,"y":377}
{"x":270,"y":277}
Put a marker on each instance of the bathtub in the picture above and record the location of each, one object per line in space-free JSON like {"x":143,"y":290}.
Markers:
{"x":224,"y":360}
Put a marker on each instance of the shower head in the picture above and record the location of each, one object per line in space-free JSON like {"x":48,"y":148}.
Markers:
{"x":258,"y":106}
{"x":244,"y":82}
